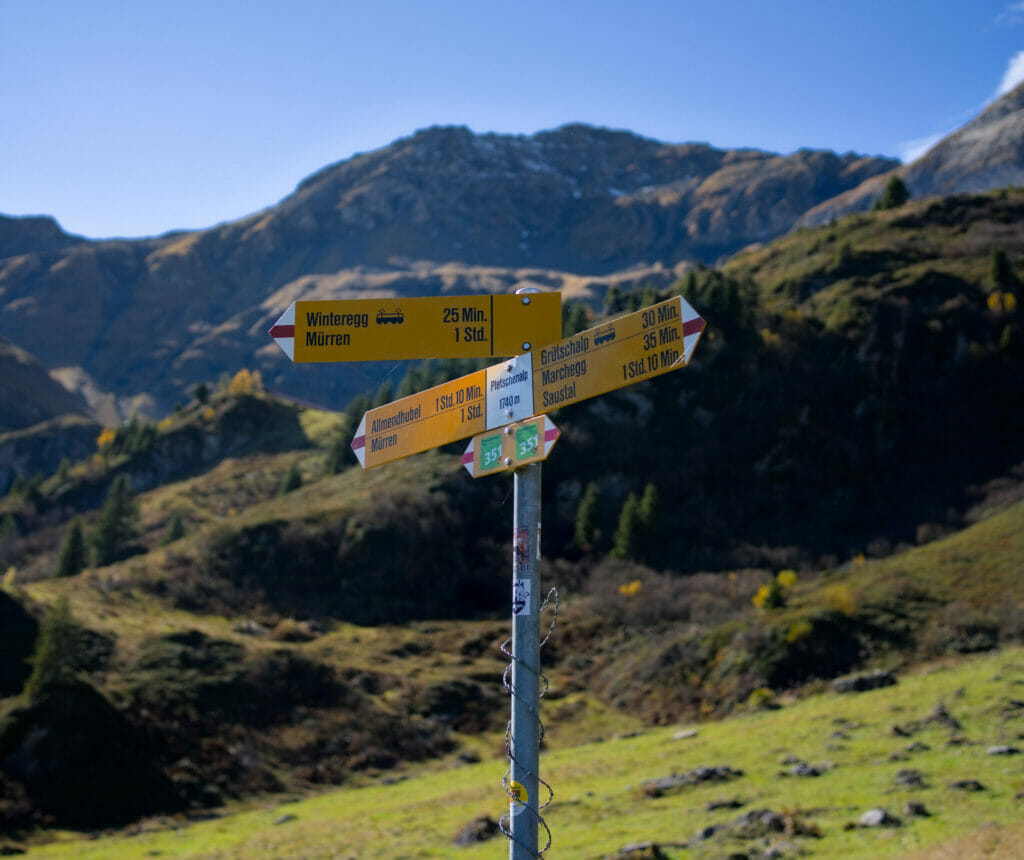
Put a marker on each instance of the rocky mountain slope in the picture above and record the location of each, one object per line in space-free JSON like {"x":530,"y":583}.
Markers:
{"x":159,"y":315}
{"x":32,"y":234}
{"x":986,"y":153}
{"x":28,"y":394}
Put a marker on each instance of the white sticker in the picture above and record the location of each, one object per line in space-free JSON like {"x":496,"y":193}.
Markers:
{"x":520,"y":596}
{"x":510,"y":391}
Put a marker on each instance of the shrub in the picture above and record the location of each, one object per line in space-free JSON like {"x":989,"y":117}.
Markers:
{"x":632,"y":588}
{"x":245,"y":382}
{"x":774,"y":594}
{"x":839,"y":598}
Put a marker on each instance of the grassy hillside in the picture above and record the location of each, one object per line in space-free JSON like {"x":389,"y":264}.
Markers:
{"x":834,"y":483}
{"x":908,"y":743}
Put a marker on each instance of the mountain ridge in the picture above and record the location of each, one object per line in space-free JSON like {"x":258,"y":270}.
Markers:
{"x":985,"y":154}
{"x":157,"y":315}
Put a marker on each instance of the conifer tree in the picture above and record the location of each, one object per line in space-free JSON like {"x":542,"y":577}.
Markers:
{"x":338,"y":450}
{"x":613,"y":299}
{"x":175,"y":528}
{"x":292,"y":479}
{"x":118,"y":523}
{"x":385,"y":394}
{"x":894,"y":195}
{"x":72,"y":558}
{"x":574,"y":318}
{"x":587,"y":516}
{"x":627,"y":542}
{"x":58,"y":653}
{"x":1000,"y":271}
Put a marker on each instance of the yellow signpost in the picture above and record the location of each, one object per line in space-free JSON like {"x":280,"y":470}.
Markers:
{"x":445,"y":413}
{"x":422,"y":327}
{"x":503,"y":407}
{"x":632,"y":348}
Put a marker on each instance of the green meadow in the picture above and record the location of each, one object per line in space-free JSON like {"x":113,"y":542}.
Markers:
{"x":860,"y":741}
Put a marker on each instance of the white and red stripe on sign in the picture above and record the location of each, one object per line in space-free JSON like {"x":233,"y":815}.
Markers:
{"x":283,"y":331}
{"x":693,"y":325}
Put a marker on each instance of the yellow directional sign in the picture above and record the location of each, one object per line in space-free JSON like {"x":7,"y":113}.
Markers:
{"x":629,"y":349}
{"x":454,"y":410}
{"x":420,"y":327}
{"x":638,"y":346}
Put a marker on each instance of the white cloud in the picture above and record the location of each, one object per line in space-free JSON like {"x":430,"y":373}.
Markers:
{"x":1013,"y":75}
{"x":911,"y":150}
{"x":1012,"y":15}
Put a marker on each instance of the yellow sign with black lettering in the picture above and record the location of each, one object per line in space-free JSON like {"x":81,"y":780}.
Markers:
{"x":630,"y":349}
{"x":481,"y":326}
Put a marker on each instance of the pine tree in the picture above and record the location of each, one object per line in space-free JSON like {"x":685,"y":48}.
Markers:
{"x":613,"y":299}
{"x":58,"y":654}
{"x":201,"y":392}
{"x":175,"y":528}
{"x":72,"y":558}
{"x":385,"y":394}
{"x":339,"y":450}
{"x":118,"y":523}
{"x":587,"y":516}
{"x":628,"y":533}
{"x":292,"y":479}
{"x":1000,"y":271}
{"x":650,"y":511}
{"x":574,"y":318}
{"x":894,"y":195}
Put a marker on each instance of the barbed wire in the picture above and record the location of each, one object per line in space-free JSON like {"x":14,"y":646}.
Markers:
{"x":504,"y":823}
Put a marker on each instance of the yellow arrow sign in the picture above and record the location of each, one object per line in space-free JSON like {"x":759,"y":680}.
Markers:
{"x":638,"y":346}
{"x":421,"y":327}
{"x":445,"y":413}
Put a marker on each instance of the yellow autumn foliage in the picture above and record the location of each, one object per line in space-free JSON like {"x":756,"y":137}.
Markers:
{"x":1002,"y":302}
{"x":245,"y":382}
{"x":106,"y":438}
{"x":631,"y":589}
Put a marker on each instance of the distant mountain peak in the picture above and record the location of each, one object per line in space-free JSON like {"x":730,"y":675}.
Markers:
{"x":985,"y":154}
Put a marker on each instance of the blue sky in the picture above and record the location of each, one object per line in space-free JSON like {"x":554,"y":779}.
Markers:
{"x":133,"y":118}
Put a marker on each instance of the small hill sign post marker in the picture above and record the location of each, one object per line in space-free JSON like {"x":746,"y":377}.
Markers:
{"x":503,"y":407}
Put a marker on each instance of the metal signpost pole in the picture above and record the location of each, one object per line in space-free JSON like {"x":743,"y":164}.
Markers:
{"x":524,"y":741}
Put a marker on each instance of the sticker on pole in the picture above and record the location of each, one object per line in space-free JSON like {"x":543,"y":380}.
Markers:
{"x":518,"y":798}
{"x":521,"y":550}
{"x":520,"y":597}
